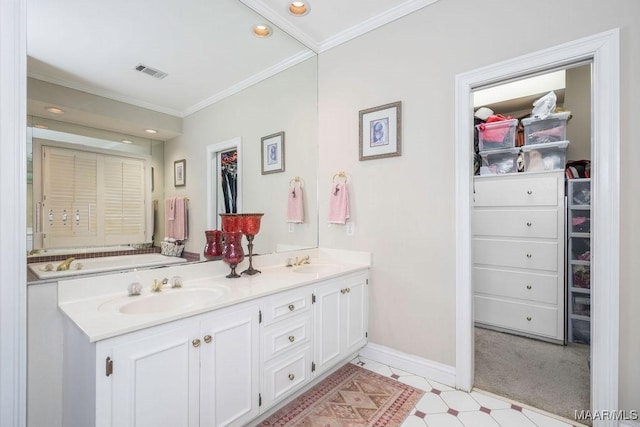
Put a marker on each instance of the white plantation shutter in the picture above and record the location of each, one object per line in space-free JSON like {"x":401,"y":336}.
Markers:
{"x":103,"y":197}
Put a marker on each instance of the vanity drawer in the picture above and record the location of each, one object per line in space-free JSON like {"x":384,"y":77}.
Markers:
{"x":287,"y":305}
{"x":286,"y":376}
{"x":535,"y":287}
{"x":289,"y":335}
{"x":542,"y":224}
{"x":516,"y":253}
{"x":516,"y":191}
{"x":523,"y":317}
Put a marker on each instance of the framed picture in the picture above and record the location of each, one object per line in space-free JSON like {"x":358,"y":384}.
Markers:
{"x":380,"y":131}
{"x":273,"y":153}
{"x":180,"y":173}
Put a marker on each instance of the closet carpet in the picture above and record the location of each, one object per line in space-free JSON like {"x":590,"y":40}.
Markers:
{"x":550,"y":377}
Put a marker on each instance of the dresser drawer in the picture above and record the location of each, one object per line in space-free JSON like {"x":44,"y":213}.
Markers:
{"x":287,"y":305}
{"x":534,"y":287}
{"x":287,"y":375}
{"x":533,"y":319}
{"x":286,"y":335}
{"x":516,"y":253}
{"x":542,"y":224}
{"x":541,"y":190}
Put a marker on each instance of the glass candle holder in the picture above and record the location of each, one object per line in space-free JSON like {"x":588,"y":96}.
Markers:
{"x":232,"y":252}
{"x":230,"y":222}
{"x":250,"y":226}
{"x":213,"y":245}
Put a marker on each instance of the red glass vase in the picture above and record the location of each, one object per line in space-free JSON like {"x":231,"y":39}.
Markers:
{"x":230,"y":222}
{"x":232,"y":252}
{"x":213,"y":246}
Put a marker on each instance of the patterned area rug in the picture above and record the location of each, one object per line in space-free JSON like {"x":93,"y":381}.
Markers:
{"x":352,"y":396}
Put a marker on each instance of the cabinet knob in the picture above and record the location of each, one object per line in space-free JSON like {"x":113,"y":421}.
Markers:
{"x":529,"y":256}
{"x":292,"y":338}
{"x":529,"y":192}
{"x":529,"y":318}
{"x":292,"y":307}
{"x":196,"y":342}
{"x":208,"y":339}
{"x":529,"y":224}
{"x":291,"y":377}
{"x":348,"y":290}
{"x":342,"y":291}
{"x":528,"y":286}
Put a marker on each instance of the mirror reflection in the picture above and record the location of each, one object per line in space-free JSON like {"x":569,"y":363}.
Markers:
{"x":274,"y":90}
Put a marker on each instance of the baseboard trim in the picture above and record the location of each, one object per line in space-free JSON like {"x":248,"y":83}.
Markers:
{"x":429,"y":369}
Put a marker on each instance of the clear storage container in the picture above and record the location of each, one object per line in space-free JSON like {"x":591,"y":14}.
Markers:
{"x":497,"y":135}
{"x":580,"y":276}
{"x":497,"y":162}
{"x":545,"y":157}
{"x":581,"y":304}
{"x":552,"y":128}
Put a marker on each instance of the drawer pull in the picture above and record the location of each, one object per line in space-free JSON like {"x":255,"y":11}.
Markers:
{"x":292,"y":338}
{"x":529,"y":192}
{"x":529,"y":318}
{"x":529,"y":224}
{"x":348,"y":290}
{"x":196,"y":342}
{"x":292,"y":307}
{"x":529,"y":256}
{"x":528,"y":286}
{"x":291,"y":377}
{"x":208,"y":339}
{"x":343,"y":291}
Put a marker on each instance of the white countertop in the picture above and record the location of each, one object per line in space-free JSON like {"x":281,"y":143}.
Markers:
{"x":92,"y":303}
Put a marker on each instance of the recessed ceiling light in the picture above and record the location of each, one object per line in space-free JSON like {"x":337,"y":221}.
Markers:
{"x":126,"y":141}
{"x":55,"y":110}
{"x":41,"y":126}
{"x":151,"y":131}
{"x":262,"y":30}
{"x":299,"y":8}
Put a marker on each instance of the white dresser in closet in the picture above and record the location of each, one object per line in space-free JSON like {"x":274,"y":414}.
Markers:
{"x":518,"y":253}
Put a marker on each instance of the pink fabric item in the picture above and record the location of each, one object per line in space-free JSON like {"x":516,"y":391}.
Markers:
{"x":295,"y":205}
{"x":175,"y":224}
{"x":339,"y":204}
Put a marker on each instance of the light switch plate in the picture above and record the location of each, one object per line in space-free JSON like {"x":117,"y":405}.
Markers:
{"x":350,"y":228}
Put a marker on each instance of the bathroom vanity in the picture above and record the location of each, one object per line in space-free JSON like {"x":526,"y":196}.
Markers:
{"x":216,"y":352}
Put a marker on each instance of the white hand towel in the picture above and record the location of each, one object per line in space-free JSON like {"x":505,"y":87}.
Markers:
{"x":339,"y":204}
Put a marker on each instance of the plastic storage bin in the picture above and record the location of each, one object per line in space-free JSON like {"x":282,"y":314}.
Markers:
{"x":497,"y":162}
{"x":579,"y":221}
{"x":581,"y":304}
{"x":581,"y":331}
{"x":497,"y":135}
{"x":580,"y":276}
{"x":580,"y":194}
{"x":545,"y":157}
{"x":542,"y":131}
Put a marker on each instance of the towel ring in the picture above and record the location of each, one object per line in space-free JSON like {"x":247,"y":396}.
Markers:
{"x":340,"y":175}
{"x":296,"y":179}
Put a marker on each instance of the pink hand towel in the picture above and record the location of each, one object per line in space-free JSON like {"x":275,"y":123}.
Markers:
{"x":339,"y":204}
{"x":175,"y":223}
{"x":169,"y":216}
{"x":295,"y":205}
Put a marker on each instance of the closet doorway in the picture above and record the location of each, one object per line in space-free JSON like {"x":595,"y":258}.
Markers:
{"x":224,"y":180}
{"x":530,"y":347}
{"x":603,"y":50}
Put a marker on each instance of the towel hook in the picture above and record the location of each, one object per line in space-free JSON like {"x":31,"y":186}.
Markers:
{"x":339,"y":175}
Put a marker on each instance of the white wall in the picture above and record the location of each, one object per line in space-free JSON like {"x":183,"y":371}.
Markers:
{"x":403,"y":207}
{"x":285,"y":102}
{"x":577,"y":99}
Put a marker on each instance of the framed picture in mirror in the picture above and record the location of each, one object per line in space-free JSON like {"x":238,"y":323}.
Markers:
{"x":273,"y":153}
{"x":380,"y":131}
{"x":180,"y":173}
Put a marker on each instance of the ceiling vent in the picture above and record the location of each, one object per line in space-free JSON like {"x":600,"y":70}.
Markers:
{"x":151,"y":71}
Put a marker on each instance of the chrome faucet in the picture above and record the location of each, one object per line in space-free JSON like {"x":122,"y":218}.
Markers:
{"x":303,"y":260}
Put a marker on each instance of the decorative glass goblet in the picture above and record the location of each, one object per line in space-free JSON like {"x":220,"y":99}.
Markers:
{"x":250,"y":226}
{"x":232,"y":252}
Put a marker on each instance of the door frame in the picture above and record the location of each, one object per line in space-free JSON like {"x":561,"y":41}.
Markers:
{"x":603,"y":50}
{"x":213,"y":178}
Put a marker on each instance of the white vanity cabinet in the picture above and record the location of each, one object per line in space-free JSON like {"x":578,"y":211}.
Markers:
{"x":199,"y":371}
{"x":518,"y":253}
{"x":341,"y":319}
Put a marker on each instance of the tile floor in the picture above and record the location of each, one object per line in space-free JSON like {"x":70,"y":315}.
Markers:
{"x":443,"y":406}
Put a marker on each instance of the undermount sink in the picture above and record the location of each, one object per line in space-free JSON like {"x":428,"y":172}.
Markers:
{"x":316,"y":268}
{"x":179,"y":299}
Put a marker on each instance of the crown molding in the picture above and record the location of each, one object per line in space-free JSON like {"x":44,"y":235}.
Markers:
{"x":374,"y":22}
{"x":256,"y":78}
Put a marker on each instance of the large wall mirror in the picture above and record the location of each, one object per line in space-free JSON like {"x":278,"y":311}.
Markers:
{"x":262,"y":87}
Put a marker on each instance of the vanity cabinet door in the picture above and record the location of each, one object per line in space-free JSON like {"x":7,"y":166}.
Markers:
{"x":341,"y":320}
{"x":229,"y":373}
{"x":155,"y":379}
